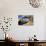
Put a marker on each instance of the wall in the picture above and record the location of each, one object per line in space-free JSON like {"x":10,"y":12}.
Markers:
{"x":13,"y":8}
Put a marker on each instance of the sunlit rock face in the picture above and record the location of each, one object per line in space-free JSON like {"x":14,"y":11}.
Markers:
{"x":35,"y":3}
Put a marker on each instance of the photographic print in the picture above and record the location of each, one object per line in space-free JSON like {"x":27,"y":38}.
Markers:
{"x":25,"y":20}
